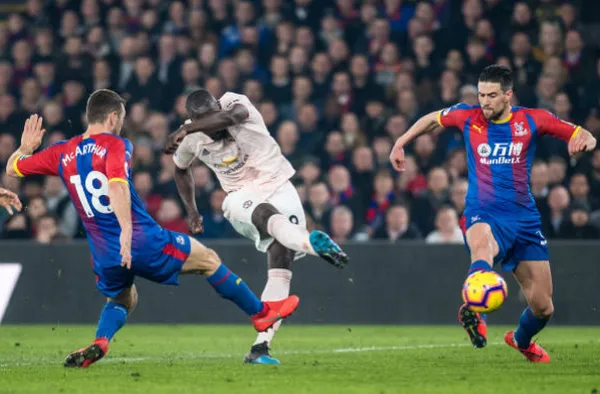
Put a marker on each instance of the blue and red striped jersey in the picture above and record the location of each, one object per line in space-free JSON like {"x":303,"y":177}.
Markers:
{"x":87,"y":166}
{"x":500,"y":154}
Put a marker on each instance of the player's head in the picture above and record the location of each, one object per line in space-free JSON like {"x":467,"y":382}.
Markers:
{"x":201,"y":102}
{"x":495,"y":91}
{"x":106,"y":108}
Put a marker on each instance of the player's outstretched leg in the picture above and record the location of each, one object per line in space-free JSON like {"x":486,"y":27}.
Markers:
{"x":277,"y":288}
{"x":535,"y":279}
{"x":263,"y":315}
{"x":268,"y":220}
{"x":483,"y":248}
{"x":112,"y":318}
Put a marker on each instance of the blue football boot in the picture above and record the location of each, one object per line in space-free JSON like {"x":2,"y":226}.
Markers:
{"x":327,"y":249}
{"x":259,"y":354}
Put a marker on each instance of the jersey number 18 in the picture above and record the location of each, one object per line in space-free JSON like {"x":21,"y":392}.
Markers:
{"x":96,"y":192}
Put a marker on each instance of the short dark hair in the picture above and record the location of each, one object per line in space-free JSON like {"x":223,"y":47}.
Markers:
{"x":557,"y":159}
{"x":384,"y":172}
{"x":400,"y":204}
{"x":48,"y":216}
{"x":199,"y":101}
{"x":101,"y":104}
{"x":497,"y":74}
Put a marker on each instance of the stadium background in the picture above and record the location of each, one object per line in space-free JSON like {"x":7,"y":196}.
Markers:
{"x":336,"y":81}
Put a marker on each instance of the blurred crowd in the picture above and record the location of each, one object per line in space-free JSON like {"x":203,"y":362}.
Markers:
{"x":337,"y":81}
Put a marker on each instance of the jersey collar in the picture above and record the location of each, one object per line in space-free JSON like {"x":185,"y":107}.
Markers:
{"x":505,"y":120}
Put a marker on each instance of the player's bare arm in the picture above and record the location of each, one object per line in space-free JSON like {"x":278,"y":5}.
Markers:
{"x":120,"y":201}
{"x":9,"y":200}
{"x":216,"y":121}
{"x":210,"y":124}
{"x":31,"y":139}
{"x":581,"y":141}
{"x":186,"y":187}
{"x":425,"y":124}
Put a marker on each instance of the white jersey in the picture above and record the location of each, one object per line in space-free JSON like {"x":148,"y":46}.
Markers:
{"x":249,"y":159}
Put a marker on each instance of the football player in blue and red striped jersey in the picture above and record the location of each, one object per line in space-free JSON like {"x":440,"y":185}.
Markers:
{"x":501,"y":222}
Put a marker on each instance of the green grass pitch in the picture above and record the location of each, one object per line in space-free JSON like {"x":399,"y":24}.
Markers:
{"x":315,"y":359}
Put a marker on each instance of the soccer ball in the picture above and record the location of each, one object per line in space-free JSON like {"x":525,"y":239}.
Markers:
{"x":484,"y":291}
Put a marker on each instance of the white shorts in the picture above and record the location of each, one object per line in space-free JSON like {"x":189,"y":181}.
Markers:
{"x":239,"y":205}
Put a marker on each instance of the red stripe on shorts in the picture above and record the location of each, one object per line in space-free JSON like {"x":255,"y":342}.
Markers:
{"x":463,"y":224}
{"x":172,"y":251}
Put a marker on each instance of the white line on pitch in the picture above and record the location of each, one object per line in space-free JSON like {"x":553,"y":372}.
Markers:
{"x":183,"y":357}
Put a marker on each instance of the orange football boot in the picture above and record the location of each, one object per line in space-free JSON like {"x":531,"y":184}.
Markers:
{"x":534,"y":352}
{"x":85,"y":357}
{"x":273,"y":311}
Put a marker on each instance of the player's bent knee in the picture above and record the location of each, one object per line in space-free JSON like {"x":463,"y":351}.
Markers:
{"x":201,"y":261}
{"x":543,"y":308}
{"x":128,"y":298}
{"x":261,"y":215}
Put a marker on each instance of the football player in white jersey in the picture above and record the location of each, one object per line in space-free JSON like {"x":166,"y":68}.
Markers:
{"x":230,"y":137}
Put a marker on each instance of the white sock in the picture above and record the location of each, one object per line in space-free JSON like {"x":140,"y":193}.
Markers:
{"x":290,"y":235}
{"x":276,"y":289}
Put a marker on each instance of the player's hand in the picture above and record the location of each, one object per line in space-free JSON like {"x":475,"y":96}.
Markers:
{"x":584,"y":141}
{"x":397,"y":157}
{"x":196,"y":224}
{"x":126,"y":249}
{"x":9,"y":200}
{"x":173,"y":140}
{"x":31,"y":139}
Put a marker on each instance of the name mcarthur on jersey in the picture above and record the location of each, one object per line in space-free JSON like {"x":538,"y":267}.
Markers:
{"x":91,"y":148}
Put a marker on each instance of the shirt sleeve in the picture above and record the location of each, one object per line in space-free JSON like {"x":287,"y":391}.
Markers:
{"x":44,"y":162}
{"x":454,"y":116}
{"x":229,"y":100}
{"x":548,"y":123}
{"x":185,"y":154}
{"x":118,"y":160}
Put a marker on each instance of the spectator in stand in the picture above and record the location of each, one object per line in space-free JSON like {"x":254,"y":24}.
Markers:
{"x":169,"y":216}
{"x":47,"y":230}
{"x":61,"y":208}
{"x":558,"y":205}
{"x":341,"y":225}
{"x":447,"y":229}
{"x":382,"y":198}
{"x":557,"y":171}
{"x":578,"y":226}
{"x":144,"y":185}
{"x":310,"y":171}
{"x":579,"y":187}
{"x":344,"y":193}
{"x":458,"y":195}
{"x":432,"y":200}
{"x":319,"y":206}
{"x":397,"y":225}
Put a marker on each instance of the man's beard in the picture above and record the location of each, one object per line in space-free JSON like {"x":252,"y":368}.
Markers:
{"x":496,"y":115}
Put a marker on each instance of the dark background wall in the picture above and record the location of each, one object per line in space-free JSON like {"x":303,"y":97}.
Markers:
{"x":409,"y":283}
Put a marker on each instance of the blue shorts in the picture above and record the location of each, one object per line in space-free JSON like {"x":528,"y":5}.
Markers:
{"x":520,"y":239}
{"x":160,"y":261}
